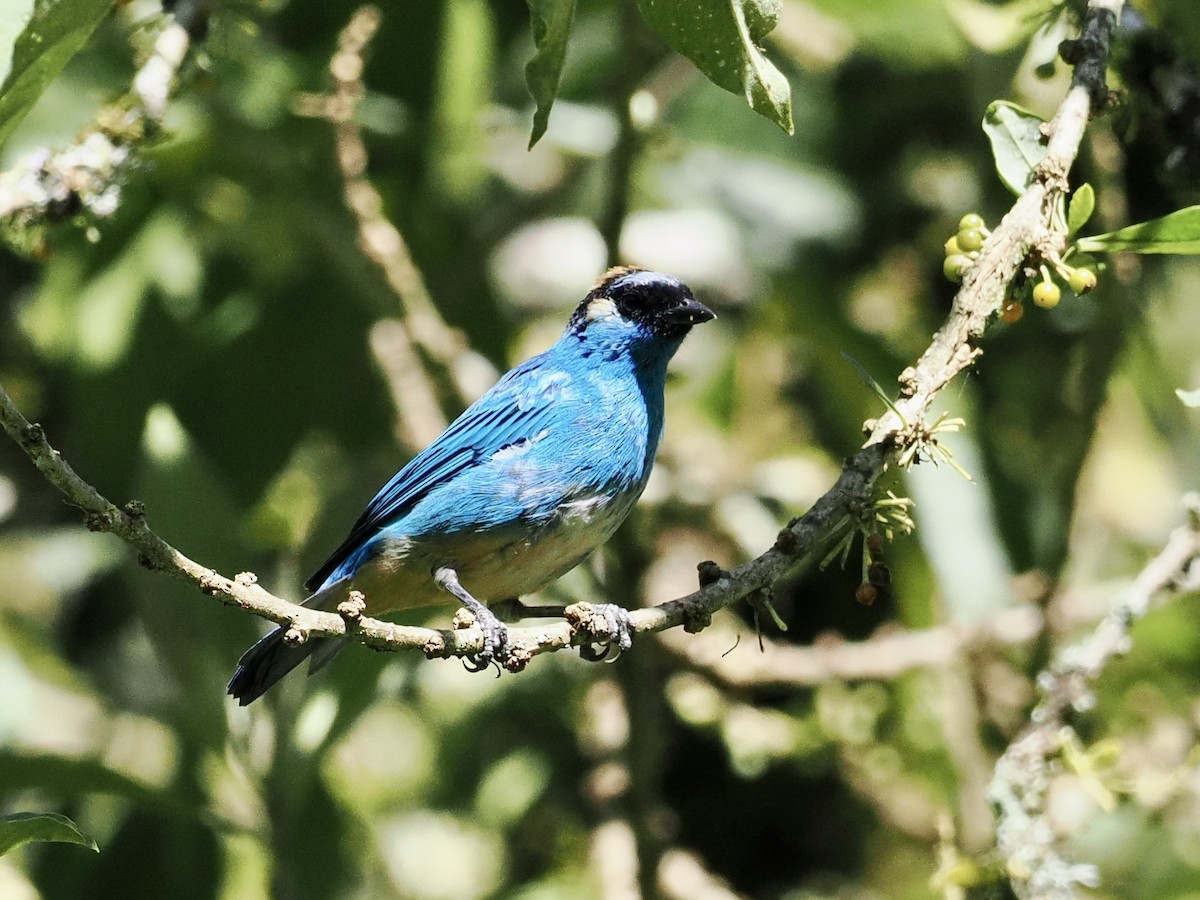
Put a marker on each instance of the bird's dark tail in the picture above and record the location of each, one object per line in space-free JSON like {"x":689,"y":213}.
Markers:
{"x":272,"y":657}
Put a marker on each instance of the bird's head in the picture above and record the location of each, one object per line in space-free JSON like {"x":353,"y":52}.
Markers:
{"x":633,"y":307}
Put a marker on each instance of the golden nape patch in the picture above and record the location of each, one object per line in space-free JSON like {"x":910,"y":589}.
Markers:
{"x":600,"y":308}
{"x":613,"y":274}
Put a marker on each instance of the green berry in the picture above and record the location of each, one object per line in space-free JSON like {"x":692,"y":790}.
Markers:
{"x":951,"y":246}
{"x":954,"y":266}
{"x":1082,"y":280}
{"x":1046,"y":294}
{"x":970,"y":239}
{"x":969,"y":221}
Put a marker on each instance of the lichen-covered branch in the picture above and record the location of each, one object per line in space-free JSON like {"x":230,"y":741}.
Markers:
{"x":1018,"y":787}
{"x":47,"y":187}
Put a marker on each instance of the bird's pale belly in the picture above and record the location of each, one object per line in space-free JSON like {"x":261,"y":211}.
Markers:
{"x":493,"y":565}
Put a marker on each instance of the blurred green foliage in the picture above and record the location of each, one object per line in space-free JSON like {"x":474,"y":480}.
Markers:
{"x":207,"y":350}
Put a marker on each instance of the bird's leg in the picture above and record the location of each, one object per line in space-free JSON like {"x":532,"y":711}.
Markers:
{"x":495,"y":632}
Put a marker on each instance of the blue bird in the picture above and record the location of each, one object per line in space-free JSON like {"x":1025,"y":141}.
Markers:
{"x":521,"y":487}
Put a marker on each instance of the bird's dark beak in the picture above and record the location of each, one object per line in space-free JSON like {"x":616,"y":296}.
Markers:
{"x":691,"y":313}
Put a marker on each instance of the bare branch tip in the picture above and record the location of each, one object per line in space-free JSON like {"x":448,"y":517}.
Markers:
{"x":709,"y":573}
{"x":352,"y":608}
{"x":788,"y":542}
{"x":696,"y":618}
{"x":211,"y":583}
{"x":518,"y":658}
{"x":98,"y":521}
{"x":33,"y":435}
{"x":435,"y":647}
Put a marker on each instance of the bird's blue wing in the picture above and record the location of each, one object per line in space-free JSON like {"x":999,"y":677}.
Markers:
{"x":517,"y":408}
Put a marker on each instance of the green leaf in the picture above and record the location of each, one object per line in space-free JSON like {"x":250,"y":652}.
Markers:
{"x":21,"y":828}
{"x":1190,"y":399}
{"x":54,"y":32}
{"x":1178,"y":232}
{"x":551,"y":22}
{"x":1017,"y":142}
{"x":1083,"y":204}
{"x":721,"y":37}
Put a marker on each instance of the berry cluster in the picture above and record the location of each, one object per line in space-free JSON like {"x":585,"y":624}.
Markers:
{"x":963,"y":249}
{"x":1046,"y":293}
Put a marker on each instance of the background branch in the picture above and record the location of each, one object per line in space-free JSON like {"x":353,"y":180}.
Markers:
{"x":881,"y":657}
{"x":1025,"y":839}
{"x":46,"y":187}
{"x":1021,"y":776}
{"x":397,"y":343}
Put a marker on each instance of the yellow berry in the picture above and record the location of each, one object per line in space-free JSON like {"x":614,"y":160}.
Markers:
{"x":951,"y":246}
{"x":1046,"y":294}
{"x":1082,"y":280}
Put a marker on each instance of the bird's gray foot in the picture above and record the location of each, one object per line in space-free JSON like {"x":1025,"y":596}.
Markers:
{"x":615,"y":619}
{"x":495,"y":632}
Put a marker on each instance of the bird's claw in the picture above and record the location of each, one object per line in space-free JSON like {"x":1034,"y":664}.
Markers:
{"x":495,"y":642}
{"x":615,"y":621}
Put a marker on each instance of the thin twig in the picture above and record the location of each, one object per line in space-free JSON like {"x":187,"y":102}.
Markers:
{"x":419,"y":415}
{"x":423,"y":326}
